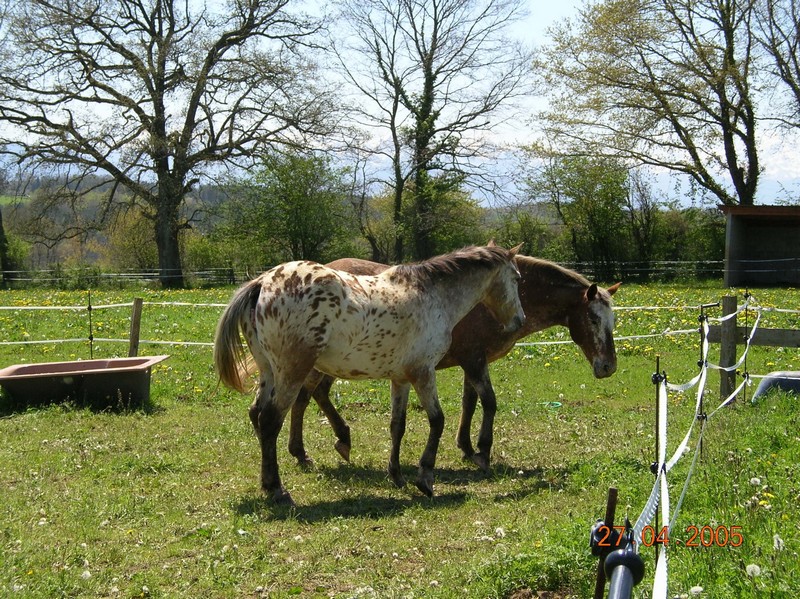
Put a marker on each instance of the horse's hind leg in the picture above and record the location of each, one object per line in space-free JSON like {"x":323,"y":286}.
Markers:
{"x":266,"y":387}
{"x":425,"y":386}
{"x":322,"y":395}
{"x":397,"y":428}
{"x":267,"y":418}
{"x":270,"y":421}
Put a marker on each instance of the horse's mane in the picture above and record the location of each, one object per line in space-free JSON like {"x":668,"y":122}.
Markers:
{"x":431,"y":269}
{"x":560,"y":274}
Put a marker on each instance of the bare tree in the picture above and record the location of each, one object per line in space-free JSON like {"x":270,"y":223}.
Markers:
{"x":431,"y":78}
{"x":153,"y":93}
{"x":642,"y":210}
{"x":666,"y":83}
{"x":778,"y":32}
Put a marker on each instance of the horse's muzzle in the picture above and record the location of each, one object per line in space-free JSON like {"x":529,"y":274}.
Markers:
{"x":604,"y":368}
{"x":515,"y":324}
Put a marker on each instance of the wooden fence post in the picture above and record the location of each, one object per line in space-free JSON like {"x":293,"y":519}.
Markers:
{"x":727,"y":350}
{"x":136,"y":321}
{"x":611,"y":508}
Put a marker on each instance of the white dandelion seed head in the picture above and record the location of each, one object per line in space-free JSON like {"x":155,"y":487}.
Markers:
{"x":753,"y":570}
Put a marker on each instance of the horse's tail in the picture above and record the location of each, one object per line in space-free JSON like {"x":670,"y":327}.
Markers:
{"x":231,"y":361}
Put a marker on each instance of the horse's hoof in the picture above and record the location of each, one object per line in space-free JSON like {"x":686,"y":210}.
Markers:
{"x":481,"y":460}
{"x":425,"y":484}
{"x":343,"y":449}
{"x":305,"y":463}
{"x":282,"y":497}
{"x":397,"y":479}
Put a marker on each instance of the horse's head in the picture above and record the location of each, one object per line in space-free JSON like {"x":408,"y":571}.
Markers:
{"x":502,"y":299}
{"x":591,"y":326}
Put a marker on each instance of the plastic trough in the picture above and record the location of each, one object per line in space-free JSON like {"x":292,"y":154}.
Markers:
{"x":113,"y":383}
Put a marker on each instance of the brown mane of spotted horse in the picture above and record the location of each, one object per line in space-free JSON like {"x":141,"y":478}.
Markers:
{"x":550,"y":294}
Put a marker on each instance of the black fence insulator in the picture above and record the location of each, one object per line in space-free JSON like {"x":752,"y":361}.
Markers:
{"x":604,"y":539}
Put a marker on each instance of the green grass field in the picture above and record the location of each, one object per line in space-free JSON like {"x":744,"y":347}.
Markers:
{"x":6,"y":200}
{"x":164,"y":501}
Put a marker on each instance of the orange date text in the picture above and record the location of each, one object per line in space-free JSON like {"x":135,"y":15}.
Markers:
{"x":696,"y":536}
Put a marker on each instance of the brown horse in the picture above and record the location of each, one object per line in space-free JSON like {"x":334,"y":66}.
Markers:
{"x":302,"y":317}
{"x":550,"y":295}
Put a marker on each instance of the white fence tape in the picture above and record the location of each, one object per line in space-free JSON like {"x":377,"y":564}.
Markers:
{"x":660,"y":491}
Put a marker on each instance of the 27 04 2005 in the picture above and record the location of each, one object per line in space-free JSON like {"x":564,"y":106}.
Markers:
{"x":696,"y":536}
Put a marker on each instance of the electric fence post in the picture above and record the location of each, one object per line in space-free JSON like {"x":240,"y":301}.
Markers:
{"x":657,"y":378}
{"x":91,"y":332}
{"x":701,"y":363}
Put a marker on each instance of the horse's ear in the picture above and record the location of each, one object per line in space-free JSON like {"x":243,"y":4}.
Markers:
{"x":491,"y":243}
{"x":613,"y":289}
{"x":591,"y":292}
{"x":515,"y":250}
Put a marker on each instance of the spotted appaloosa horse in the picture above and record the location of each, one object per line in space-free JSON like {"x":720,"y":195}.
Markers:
{"x":396,"y":325}
{"x":550,"y":294}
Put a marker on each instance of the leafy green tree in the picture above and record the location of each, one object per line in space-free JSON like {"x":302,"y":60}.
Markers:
{"x":643,"y":215}
{"x":296,"y":207}
{"x":588,"y":195}
{"x":695,"y":235}
{"x":152,"y":94}
{"x":666,"y":83}
{"x":526,"y":224}
{"x":130,"y":243}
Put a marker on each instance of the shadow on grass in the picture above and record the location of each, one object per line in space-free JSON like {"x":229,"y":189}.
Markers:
{"x":13,"y":405}
{"x":363,"y":504}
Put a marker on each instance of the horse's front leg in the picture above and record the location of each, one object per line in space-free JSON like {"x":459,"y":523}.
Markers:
{"x":479,"y":380}
{"x":322,"y":395}
{"x":469,"y":400}
{"x":296,"y":446}
{"x":425,"y":385}
{"x":397,"y":427}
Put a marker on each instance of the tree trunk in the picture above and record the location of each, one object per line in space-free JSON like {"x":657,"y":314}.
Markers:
{"x":399,"y":226}
{"x":3,"y":252}
{"x":170,"y":269}
{"x":169,"y":255}
{"x":424,"y":246}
